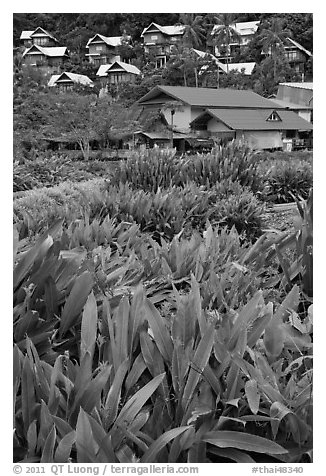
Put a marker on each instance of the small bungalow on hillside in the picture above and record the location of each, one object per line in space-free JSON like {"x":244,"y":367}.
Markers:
{"x":296,"y":55}
{"x":51,"y":57}
{"x":67,"y":80}
{"x":116,"y":73}
{"x":103,"y":49}
{"x":159,"y":41}
{"x":224,"y":114}
{"x":245,"y":30}
{"x":38,"y":37}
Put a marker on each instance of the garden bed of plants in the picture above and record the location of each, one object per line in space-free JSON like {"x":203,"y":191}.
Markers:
{"x":156,"y":321}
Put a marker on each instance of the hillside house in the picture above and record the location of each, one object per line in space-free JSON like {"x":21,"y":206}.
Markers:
{"x":66,"y":81}
{"x":102,"y":49}
{"x":49,"y":58}
{"x":38,"y":37}
{"x":117,"y":73}
{"x":245,"y":30}
{"x":224,"y":114}
{"x":296,"y":55}
{"x":159,"y":40}
{"x":297,"y":97}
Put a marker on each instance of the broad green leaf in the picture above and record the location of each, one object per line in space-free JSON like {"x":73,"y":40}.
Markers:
{"x":47,"y":454}
{"x":91,"y":396}
{"x":289,"y":304}
{"x":38,"y":251}
{"x":161,"y":335}
{"x":45,"y":422}
{"x":253,"y":396}
{"x":243,"y":441}
{"x":88,"y":327}
{"x":50,"y":297}
{"x":122,"y":326}
{"x":277,"y":412}
{"x":15,"y":243}
{"x":63,"y":450}
{"x":248,"y":314}
{"x":25,"y":263}
{"x":27,"y":394}
{"x":155,"y":448}
{"x":233,"y":454}
{"x":136,"y":315}
{"x":103,"y":444}
{"x":76,"y":301}
{"x":113,"y":398}
{"x":198,"y":364}
{"x":135,"y":372}
{"x":32,"y":438}
{"x":62,"y":426}
{"x":133,"y":406}
{"x":274,"y":338}
{"x":85,"y":443}
{"x":259,"y":325}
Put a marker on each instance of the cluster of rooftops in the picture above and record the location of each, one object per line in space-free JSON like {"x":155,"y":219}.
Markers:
{"x":221,"y":112}
{"x":43,"y":47}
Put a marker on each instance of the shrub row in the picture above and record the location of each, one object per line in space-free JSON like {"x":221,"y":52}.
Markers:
{"x":164,"y":212}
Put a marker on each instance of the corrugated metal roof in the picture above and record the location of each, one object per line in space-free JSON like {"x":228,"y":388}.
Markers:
{"x":209,"y":97}
{"x":48,"y":51}
{"x":169,"y":30}
{"x":76,"y":78}
{"x":247,"y":120}
{"x":109,"y":40}
{"x":248,"y":67}
{"x":304,"y":85}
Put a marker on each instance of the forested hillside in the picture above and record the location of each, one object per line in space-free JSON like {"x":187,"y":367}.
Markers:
{"x":74,"y":29}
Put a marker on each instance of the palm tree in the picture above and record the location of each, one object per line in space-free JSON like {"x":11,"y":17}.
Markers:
{"x":193,"y":37}
{"x":193,"y":33}
{"x":272,"y":38}
{"x":224,"y":32}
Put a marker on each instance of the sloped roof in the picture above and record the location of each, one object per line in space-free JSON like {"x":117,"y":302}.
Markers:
{"x":248,"y":67}
{"x":242,"y":28}
{"x":109,"y":40}
{"x":210,"y":97}
{"x":296,"y":44}
{"x":76,"y":78}
{"x":104,"y":69}
{"x":304,"y":85}
{"x":170,"y":30}
{"x":26,"y":35}
{"x":39,"y":29}
{"x":202,"y":54}
{"x":290,"y":105}
{"x":256,"y":119}
{"x":47,"y":51}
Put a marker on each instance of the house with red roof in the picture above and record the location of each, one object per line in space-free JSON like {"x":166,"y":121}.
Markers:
{"x":224,"y":114}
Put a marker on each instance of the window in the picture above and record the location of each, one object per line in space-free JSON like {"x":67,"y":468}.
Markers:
{"x":274,"y":117}
{"x":99,"y":48}
{"x":41,"y":41}
{"x":154,"y":37}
